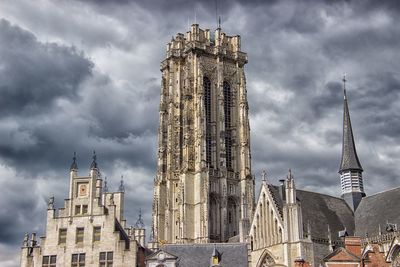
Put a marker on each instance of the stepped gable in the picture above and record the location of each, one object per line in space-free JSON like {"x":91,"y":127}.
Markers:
{"x":375,"y":210}
{"x":198,"y":255}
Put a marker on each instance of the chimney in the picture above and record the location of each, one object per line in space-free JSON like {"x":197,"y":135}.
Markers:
{"x":353,"y":244}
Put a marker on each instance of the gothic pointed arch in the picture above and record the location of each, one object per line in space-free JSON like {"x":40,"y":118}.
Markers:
{"x":213,"y":217}
{"x":228,"y":131}
{"x":233,"y":215}
{"x":393,"y":254}
{"x":207,"y":107}
{"x":266,"y":260}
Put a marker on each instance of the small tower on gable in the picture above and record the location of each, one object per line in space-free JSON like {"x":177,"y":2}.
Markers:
{"x":350,"y":167}
{"x":139,"y":230}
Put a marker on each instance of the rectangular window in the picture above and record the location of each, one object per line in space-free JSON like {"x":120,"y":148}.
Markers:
{"x":106,"y":259}
{"x":62,"y":236}
{"x":84,"y":209}
{"x":49,"y":261}
{"x":77,"y":209}
{"x":79,"y":235}
{"x":96,"y":233}
{"x":78,"y":260}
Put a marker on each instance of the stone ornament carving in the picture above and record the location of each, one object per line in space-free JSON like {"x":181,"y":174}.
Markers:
{"x":268,"y":261}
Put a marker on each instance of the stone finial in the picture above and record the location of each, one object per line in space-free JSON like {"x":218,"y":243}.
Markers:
{"x":26,"y":240}
{"x":74,"y":165}
{"x":93,"y":165}
{"x":290,"y":175}
{"x":112,"y":199}
{"x":105,"y":188}
{"x":152,"y":234}
{"x":33,"y":240}
{"x":50,"y":203}
{"x":264,"y":176}
{"x":121,"y":187}
{"x":140,"y":223}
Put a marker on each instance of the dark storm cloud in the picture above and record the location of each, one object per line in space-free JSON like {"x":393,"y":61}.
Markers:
{"x":33,"y":75}
{"x":106,"y":98}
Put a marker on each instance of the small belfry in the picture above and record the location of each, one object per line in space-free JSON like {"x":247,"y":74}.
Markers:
{"x":204,"y":180}
{"x":350,"y":167}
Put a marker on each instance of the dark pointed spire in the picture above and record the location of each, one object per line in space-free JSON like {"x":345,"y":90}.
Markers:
{"x":74,"y":165}
{"x":350,"y":159}
{"x":94,"y":162}
{"x":216,"y":257}
{"x":121,"y":185}
{"x":140,"y":223}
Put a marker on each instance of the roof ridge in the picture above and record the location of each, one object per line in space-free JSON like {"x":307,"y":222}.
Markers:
{"x":380,"y":192}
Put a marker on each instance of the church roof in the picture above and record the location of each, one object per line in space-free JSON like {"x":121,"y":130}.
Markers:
{"x":199,"y":255}
{"x":322,"y":210}
{"x":350,"y":159}
{"x":319,"y":211}
{"x":375,"y":210}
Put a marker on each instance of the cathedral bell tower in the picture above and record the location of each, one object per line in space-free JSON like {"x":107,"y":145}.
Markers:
{"x":204,"y":189}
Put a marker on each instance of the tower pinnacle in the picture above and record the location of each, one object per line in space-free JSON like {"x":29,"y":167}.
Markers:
{"x":94,"y":162}
{"x":74,"y":165}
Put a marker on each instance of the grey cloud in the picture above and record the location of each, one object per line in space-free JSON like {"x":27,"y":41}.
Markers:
{"x":297,"y":54}
{"x":33,"y":75}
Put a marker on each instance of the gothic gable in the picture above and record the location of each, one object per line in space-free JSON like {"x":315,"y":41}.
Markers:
{"x":341,"y":255}
{"x":267,"y":225}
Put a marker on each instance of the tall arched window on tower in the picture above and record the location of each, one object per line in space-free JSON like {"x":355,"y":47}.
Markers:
{"x":228,"y":130}
{"x":207,"y":105}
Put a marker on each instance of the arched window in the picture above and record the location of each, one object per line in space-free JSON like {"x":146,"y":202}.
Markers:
{"x":228,"y":135}
{"x":232,"y":217}
{"x":207,"y":105}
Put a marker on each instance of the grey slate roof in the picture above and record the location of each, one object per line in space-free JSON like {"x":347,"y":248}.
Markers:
{"x":199,"y":255}
{"x":320,"y":211}
{"x":350,"y":159}
{"x":377,"y":209}
{"x":323,"y":210}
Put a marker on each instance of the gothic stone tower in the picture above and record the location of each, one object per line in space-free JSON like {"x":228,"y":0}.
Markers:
{"x":204,"y":189}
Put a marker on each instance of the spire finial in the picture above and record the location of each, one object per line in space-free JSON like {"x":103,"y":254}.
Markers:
{"x":105,"y":188}
{"x":219,"y":22}
{"x":344,"y":85}
{"x":74,"y":165}
{"x":290,"y":176}
{"x":140,"y":223}
{"x":264,"y":175}
{"x":121,"y":185}
{"x":94,"y":162}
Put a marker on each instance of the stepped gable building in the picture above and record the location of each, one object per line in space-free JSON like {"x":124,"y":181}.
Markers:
{"x":204,"y":188}
{"x":89,"y":231}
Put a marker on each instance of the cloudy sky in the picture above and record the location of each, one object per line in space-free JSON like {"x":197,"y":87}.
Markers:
{"x":84,"y":75}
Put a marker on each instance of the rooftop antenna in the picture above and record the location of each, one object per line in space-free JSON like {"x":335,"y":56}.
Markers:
{"x":217,"y":18}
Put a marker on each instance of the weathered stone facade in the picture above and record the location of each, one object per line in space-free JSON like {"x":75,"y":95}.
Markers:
{"x":89,"y":231}
{"x":204,"y":189}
